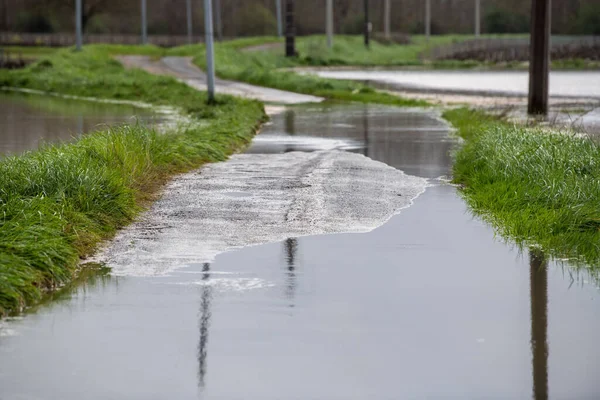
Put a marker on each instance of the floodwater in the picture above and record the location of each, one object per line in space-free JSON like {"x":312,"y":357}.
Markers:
{"x":428,"y":305}
{"x":579,"y":84}
{"x":28,"y":121}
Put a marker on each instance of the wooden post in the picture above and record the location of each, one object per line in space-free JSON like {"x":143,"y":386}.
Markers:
{"x":538,"y":282}
{"x":539,"y":57}
{"x":290,"y":30}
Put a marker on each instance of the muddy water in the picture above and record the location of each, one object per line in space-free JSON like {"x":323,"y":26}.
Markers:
{"x":28,"y":121}
{"x":562,"y":83}
{"x":428,"y":305}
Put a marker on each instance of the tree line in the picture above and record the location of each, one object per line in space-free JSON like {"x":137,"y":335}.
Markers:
{"x":257,"y":17}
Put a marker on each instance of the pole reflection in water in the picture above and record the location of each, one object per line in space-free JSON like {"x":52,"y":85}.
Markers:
{"x":366,"y":129}
{"x":290,"y":121}
{"x":205,"y":315}
{"x":291,"y":247}
{"x":539,"y":323}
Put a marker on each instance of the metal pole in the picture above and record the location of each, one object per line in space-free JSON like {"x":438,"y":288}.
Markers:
{"x":189,"y":21}
{"x":428,"y":18}
{"x":210,"y":60}
{"x":279,"y":22}
{"x":367,"y":23}
{"x":218,"y":20}
{"x":78,"y":12}
{"x":290,"y":42}
{"x":539,"y":64}
{"x":329,"y":23}
{"x":144,"y":26}
{"x":477,"y":18}
{"x":387,"y":19}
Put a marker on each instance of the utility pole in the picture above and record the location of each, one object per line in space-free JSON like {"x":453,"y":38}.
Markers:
{"x":538,"y":282}
{"x":189,"y":20}
{"x":539,"y":62}
{"x":387,"y":19}
{"x":78,"y":12}
{"x":210,"y":51}
{"x":428,"y":19}
{"x":477,"y":18}
{"x":144,"y":24}
{"x":329,"y":23}
{"x":218,"y":20}
{"x":279,"y":22}
{"x":367,"y":23}
{"x":290,"y":31}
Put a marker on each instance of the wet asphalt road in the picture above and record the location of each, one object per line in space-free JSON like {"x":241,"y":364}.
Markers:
{"x":575,"y":84}
{"x":427,"y":305}
{"x":183,"y":69}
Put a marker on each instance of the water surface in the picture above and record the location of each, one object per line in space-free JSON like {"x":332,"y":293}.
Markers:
{"x":428,"y":305}
{"x":28,"y":121}
{"x":562,"y":83}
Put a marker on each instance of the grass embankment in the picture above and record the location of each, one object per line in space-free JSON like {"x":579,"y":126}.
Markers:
{"x":57,"y":203}
{"x":536,"y":187}
{"x":350,"y":51}
{"x":264,"y":69}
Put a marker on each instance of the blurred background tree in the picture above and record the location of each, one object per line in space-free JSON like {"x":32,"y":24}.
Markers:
{"x":257,"y":17}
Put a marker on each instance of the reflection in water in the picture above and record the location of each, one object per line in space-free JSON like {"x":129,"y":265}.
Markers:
{"x":291,"y":248}
{"x":290,"y":121}
{"x":539,"y":323}
{"x":205,"y":315}
{"x":366,"y":129}
{"x":409,"y":140}
{"x":28,"y":121}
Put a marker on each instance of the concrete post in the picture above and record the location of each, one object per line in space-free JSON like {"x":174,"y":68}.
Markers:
{"x":387,"y":18}
{"x":477,"y":18}
{"x":279,"y":18}
{"x":189,"y":21}
{"x":539,"y":63}
{"x":290,"y":30}
{"x":144,"y":24}
{"x":329,"y":23}
{"x":78,"y":33}
{"x":210,"y":51}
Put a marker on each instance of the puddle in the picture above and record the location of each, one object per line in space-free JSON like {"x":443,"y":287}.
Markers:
{"x":28,"y":121}
{"x":428,"y":305}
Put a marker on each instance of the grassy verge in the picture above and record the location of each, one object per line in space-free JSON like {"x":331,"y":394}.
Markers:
{"x":350,"y":51}
{"x":263,"y":69}
{"x":57,"y":203}
{"x":537,"y":188}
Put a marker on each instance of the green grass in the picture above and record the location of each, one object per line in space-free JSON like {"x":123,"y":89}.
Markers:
{"x":264,"y":69}
{"x":538,"y":188}
{"x":57,"y":203}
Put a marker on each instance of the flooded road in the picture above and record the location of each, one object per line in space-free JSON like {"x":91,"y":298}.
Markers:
{"x":28,"y":121}
{"x":577,"y":84}
{"x":427,"y":305}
